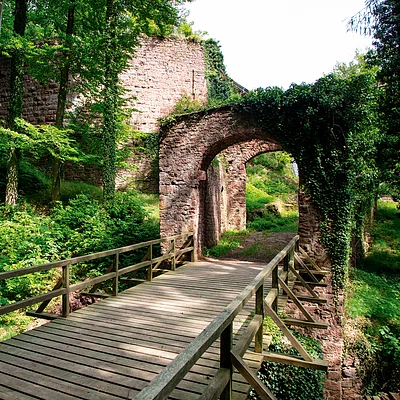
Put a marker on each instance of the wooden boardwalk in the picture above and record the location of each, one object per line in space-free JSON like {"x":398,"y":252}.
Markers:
{"x":114,"y":348}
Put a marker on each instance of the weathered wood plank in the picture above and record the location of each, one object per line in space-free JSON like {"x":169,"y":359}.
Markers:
{"x":298,"y":362}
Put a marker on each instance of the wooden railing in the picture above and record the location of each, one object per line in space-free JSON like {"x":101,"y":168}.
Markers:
{"x":231,"y":356}
{"x":64,"y":287}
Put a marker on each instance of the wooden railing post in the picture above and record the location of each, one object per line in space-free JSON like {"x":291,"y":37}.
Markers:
{"x":173,"y":259}
{"x":116,"y":279}
{"x":275,"y":273}
{"x":150,"y":270}
{"x":258,"y":338}
{"x":296,"y":249}
{"x":226,"y":342}
{"x":286,"y":262}
{"x":193,"y":253}
{"x":65,"y":296}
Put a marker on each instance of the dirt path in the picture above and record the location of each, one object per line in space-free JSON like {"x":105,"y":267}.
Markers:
{"x":258,"y":246}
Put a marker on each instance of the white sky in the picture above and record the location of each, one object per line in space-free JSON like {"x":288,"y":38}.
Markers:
{"x":278,"y":42}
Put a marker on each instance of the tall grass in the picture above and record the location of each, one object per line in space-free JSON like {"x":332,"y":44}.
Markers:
{"x":372,"y":331}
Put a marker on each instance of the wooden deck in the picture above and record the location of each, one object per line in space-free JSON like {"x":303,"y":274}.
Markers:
{"x":114,"y":348}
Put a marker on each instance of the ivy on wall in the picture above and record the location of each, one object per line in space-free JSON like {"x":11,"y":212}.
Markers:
{"x":219,"y":88}
{"x":329,"y":127}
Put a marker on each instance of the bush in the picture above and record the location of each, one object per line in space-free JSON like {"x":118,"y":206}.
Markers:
{"x":287,"y":382}
{"x":82,"y":226}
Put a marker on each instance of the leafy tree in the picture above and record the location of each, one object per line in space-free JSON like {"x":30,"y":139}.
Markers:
{"x":16,"y":96}
{"x":381,"y":18}
{"x":125,"y":21}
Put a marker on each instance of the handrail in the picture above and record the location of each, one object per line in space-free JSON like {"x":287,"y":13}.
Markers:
{"x":67,"y":288}
{"x":165,"y":382}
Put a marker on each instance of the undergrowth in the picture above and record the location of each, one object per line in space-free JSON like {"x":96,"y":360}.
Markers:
{"x":288,"y":382}
{"x":372,"y":332}
{"x":32,"y":235}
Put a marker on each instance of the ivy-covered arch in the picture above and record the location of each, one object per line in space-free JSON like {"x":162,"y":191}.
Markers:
{"x":328,"y":127}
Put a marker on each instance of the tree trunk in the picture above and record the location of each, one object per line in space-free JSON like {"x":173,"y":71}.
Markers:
{"x":16,"y":99}
{"x":12,"y":177}
{"x":1,"y":12}
{"x":61,"y":105}
{"x":110,"y":102}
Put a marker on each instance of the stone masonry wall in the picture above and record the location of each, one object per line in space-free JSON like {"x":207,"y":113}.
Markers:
{"x":160,"y":73}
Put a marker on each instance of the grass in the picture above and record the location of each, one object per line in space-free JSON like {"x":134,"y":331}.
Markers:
{"x":230,"y":241}
{"x":372,"y":330}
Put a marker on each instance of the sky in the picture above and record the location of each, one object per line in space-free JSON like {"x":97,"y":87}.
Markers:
{"x":279,"y":42}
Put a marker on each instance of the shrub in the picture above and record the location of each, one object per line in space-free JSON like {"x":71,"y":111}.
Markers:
{"x":288,"y":382}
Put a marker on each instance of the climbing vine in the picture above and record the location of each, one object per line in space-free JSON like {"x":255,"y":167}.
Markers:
{"x":218,"y":82}
{"x":329,"y":128}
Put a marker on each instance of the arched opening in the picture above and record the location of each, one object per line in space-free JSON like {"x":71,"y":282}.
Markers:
{"x":189,"y":198}
{"x":272,"y":186}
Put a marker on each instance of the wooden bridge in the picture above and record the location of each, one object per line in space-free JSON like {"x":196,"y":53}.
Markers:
{"x":193,"y":332}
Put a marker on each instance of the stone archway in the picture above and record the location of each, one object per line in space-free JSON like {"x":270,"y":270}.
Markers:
{"x":187,"y":148}
{"x":186,"y":152}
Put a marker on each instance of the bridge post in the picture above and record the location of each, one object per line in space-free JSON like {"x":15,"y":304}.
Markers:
{"x":150,"y":270}
{"x":226,"y":343}
{"x":65,"y":297}
{"x":258,"y":339}
{"x":116,"y":279}
{"x":275,"y":285}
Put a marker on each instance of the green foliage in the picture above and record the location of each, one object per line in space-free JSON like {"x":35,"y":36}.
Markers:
{"x":372,"y":307}
{"x":270,"y":223}
{"x":273,"y":173}
{"x":231,"y":240}
{"x":187,"y":104}
{"x":286,"y":381}
{"x":256,"y":198}
{"x":271,"y":193}
{"x":330,"y":130}
{"x":83,"y":225}
{"x":185,"y":29}
{"x":39,"y":141}
{"x":220,"y":89}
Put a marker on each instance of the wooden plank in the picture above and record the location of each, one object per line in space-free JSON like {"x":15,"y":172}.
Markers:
{"x":29,"y":302}
{"x":115,"y":379}
{"x":53,"y":378}
{"x":95,"y":294}
{"x":298,"y":362}
{"x":281,"y":325}
{"x":43,"y":315}
{"x":252,"y":378}
{"x":10,"y":394}
{"x":306,"y":269}
{"x":295,"y":300}
{"x":318,"y":300}
{"x":312,"y":262}
{"x":243,"y":344}
{"x":271,"y":296}
{"x":38,"y":388}
{"x":303,"y":282}
{"x":318,"y":284}
{"x":101,"y":358}
{"x":306,"y":324}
